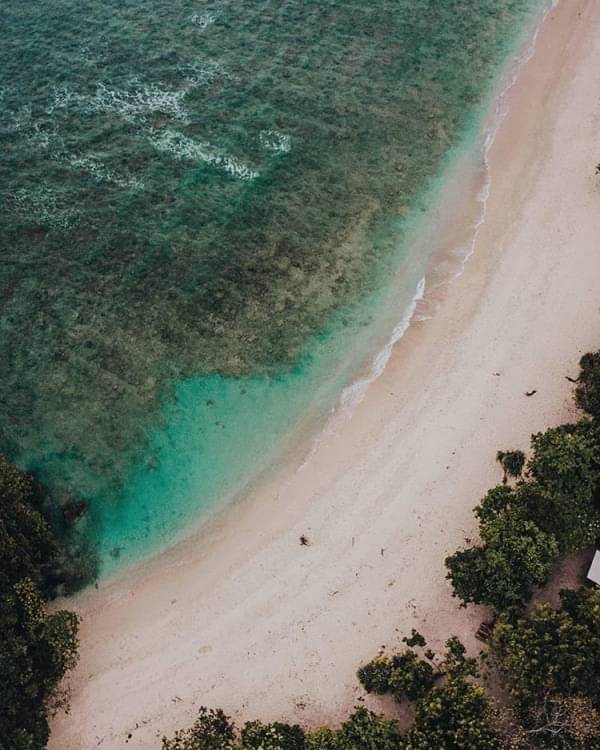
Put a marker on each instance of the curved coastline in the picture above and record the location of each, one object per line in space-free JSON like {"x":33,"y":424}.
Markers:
{"x":247,"y":618}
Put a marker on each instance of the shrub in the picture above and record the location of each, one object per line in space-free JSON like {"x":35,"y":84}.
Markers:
{"x":276,"y":736}
{"x":512,"y":463}
{"x":411,"y":677}
{"x":404,"y":675}
{"x":365,"y":730}
{"x":453,"y":717}
{"x":551,"y":652}
{"x":37,"y":648}
{"x":375,"y":676}
{"x":516,"y":556}
{"x":37,"y":651}
{"x":212,"y":730}
{"x":587,"y":393}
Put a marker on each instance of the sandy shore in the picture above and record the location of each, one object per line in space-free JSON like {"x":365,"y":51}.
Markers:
{"x":245,"y":618}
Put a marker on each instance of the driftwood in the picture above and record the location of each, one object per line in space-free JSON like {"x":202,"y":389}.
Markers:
{"x":572,"y":380}
{"x":530,"y":393}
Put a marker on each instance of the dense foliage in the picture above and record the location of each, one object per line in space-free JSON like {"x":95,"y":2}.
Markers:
{"x":548,"y":651}
{"x":36,"y":648}
{"x":452,"y":717}
{"x":587,"y":393}
{"x":404,"y":675}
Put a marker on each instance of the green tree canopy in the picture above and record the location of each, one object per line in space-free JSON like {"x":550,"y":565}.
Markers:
{"x":276,"y":736}
{"x":512,"y":463}
{"x":455,"y":716}
{"x":212,"y":730}
{"x":551,"y":652}
{"x":566,"y":460}
{"x":515,"y":557}
{"x":365,"y":730}
{"x":587,"y":393}
{"x":36,"y":648}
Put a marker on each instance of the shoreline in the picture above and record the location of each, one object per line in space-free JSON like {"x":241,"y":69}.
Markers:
{"x":243,"y":617}
{"x":465,"y":163}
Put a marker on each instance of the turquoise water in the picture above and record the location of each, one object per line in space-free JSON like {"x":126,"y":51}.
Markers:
{"x":202,"y":204}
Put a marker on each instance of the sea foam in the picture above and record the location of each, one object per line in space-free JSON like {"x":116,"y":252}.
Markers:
{"x":275,"y":141}
{"x":141,"y":100}
{"x":43,"y":206}
{"x":353,"y":394}
{"x":182,"y":147}
{"x":202,"y":20}
{"x":100,"y":172}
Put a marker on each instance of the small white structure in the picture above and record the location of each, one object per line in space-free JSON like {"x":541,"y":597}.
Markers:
{"x":594,"y":571}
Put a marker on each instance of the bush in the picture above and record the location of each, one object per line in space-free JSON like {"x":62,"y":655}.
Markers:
{"x":411,"y":677}
{"x":512,"y":463}
{"x":453,"y":717}
{"x":551,"y":652}
{"x":375,"y":676}
{"x":365,"y":730}
{"x":566,"y":460}
{"x":322,"y":738}
{"x":515,"y":557}
{"x":404,"y":675}
{"x":37,"y":651}
{"x":587,"y":393}
{"x":37,"y":648}
{"x":276,"y":736}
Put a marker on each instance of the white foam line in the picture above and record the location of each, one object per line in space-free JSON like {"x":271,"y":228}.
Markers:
{"x":182,"y":148}
{"x":96,"y":168}
{"x":498,"y":117}
{"x":354,"y":393}
{"x":275,"y":141}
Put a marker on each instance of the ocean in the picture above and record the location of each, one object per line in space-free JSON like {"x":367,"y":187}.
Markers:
{"x":207,"y":211}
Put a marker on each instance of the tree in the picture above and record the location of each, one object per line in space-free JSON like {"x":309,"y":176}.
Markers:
{"x":496,"y":500}
{"x":563,"y":723}
{"x":276,"y":736}
{"x":365,"y":730}
{"x":557,"y":722}
{"x":212,"y":730}
{"x":37,"y":648}
{"x":574,"y":522}
{"x":512,"y":463}
{"x":375,"y":676}
{"x":322,"y":738}
{"x":551,"y":652}
{"x":455,"y":663}
{"x":410,"y":676}
{"x":455,"y":716}
{"x":37,"y":651}
{"x":566,"y":460}
{"x":27,"y":546}
{"x":587,"y":393}
{"x":516,"y":555}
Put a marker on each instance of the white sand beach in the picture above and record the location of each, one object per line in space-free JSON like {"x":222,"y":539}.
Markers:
{"x":242,"y":616}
